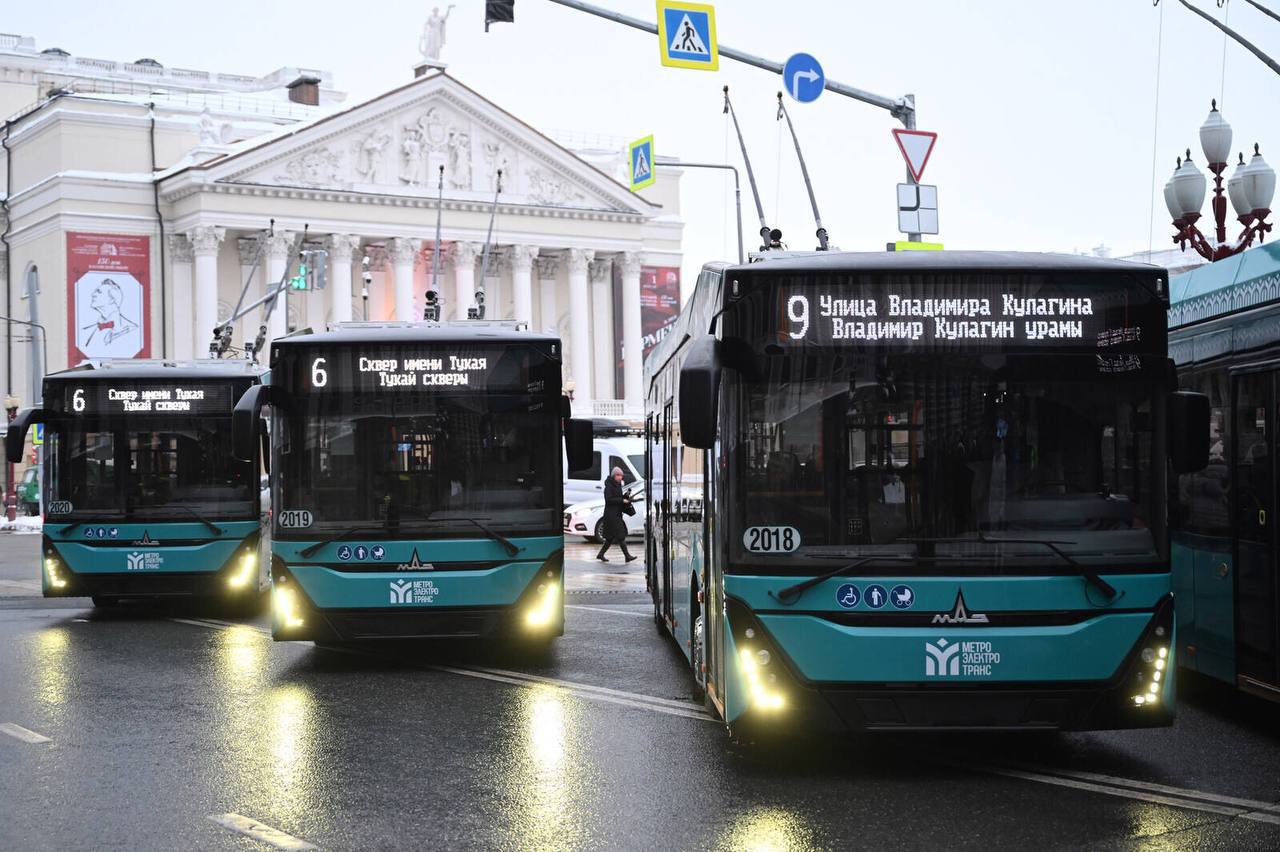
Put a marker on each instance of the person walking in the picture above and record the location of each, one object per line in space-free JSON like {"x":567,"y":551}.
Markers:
{"x":615,"y":528}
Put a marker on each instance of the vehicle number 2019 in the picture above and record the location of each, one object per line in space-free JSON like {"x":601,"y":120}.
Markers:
{"x":771,"y":539}
{"x":295,"y":519}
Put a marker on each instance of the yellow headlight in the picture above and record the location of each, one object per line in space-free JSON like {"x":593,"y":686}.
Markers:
{"x":544,"y":609}
{"x":51,"y":570}
{"x":240,"y":577}
{"x":763,"y":697}
{"x":286,"y":605}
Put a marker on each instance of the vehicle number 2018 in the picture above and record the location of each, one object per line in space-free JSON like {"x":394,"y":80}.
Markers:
{"x":771,"y":539}
{"x":295,"y":519}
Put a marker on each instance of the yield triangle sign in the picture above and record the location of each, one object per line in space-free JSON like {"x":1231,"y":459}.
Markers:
{"x":915,"y":145}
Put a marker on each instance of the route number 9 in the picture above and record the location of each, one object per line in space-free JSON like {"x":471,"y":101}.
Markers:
{"x":798,"y":313}
{"x":77,"y":400}
{"x":319,"y":376}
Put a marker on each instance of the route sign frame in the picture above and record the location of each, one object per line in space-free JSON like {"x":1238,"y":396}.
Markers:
{"x":646,"y":145}
{"x":811,"y":70}
{"x":703,"y":14}
{"x":916,"y":169}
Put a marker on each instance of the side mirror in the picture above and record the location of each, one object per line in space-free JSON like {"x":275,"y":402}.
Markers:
{"x":700,"y":393}
{"x":577,"y":443}
{"x":266,"y":452}
{"x":245,"y":427}
{"x":1188,"y":419}
{"x":15,"y":440}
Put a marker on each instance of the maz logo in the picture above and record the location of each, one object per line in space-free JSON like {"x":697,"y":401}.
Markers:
{"x":960,"y":614}
{"x":941,"y":661}
{"x":401,"y":591}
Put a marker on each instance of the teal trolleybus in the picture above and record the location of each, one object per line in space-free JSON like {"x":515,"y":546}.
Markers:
{"x":1224,"y":333}
{"x":416,"y":481}
{"x":926,"y":490}
{"x":143,"y":496}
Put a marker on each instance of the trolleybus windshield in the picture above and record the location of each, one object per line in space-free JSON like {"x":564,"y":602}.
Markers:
{"x":415,"y":439}
{"x":145,"y":450}
{"x":989,"y":447}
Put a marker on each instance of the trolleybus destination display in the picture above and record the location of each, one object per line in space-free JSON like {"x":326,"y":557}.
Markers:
{"x":149,"y":397}
{"x":373,"y":368}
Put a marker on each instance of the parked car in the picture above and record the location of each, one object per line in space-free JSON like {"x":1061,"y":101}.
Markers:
{"x":586,"y":518}
{"x":28,"y":491}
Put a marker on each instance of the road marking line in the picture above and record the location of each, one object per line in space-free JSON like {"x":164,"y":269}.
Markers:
{"x":261,"y":832}
{"x":610,"y":611}
{"x":20,"y":733}
{"x":1247,"y":804}
{"x":25,"y":585}
{"x":670,"y":707}
{"x":1127,"y":792}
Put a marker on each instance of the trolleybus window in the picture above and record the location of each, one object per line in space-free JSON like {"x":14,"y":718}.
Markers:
{"x":939,"y":439}
{"x":406,"y":447}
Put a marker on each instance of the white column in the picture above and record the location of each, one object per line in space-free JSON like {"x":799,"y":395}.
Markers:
{"x":183,"y":308}
{"x":580,"y":327}
{"x":250,"y":264}
{"x":403,"y":252}
{"x":604,"y":358}
{"x":277,"y":251}
{"x":205,"y":241}
{"x":499,"y":262}
{"x":632,"y":332}
{"x":549,"y":318}
{"x":464,"y":278}
{"x":522,"y":283}
{"x":341,"y":247}
{"x":378,"y":286}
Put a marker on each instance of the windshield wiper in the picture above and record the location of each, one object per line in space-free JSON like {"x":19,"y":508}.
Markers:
{"x":310,"y":549}
{"x":1090,"y":576}
{"x":213,"y":528}
{"x":794,"y":592}
{"x":507,"y":544}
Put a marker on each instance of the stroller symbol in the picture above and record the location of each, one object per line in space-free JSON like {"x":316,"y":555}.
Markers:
{"x":902,"y":597}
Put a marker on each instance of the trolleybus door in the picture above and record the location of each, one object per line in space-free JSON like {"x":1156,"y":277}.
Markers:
{"x":668,"y":464}
{"x":1257,"y":627}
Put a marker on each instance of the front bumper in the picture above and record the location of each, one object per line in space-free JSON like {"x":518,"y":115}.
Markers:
{"x":965,"y":706}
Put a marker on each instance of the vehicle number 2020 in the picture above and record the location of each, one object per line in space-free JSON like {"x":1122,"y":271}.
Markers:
{"x":771,"y":539}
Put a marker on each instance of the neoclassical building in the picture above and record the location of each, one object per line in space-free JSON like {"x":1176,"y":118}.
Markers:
{"x":143,"y":204}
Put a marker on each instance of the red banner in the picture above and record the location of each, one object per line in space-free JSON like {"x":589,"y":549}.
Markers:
{"x":108,"y":297}
{"x":659,"y":307}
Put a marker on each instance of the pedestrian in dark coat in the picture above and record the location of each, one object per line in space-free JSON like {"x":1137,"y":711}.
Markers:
{"x":615,"y":528}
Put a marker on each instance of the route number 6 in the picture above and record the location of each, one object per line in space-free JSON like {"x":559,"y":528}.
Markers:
{"x":77,"y":400}
{"x":319,"y":376}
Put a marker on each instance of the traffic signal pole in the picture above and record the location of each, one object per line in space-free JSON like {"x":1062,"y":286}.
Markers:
{"x":903,"y":108}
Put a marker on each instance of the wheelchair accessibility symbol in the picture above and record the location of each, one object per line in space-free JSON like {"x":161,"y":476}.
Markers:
{"x":847,"y":596}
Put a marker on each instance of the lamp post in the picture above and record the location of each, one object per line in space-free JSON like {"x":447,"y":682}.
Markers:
{"x":1250,"y":188}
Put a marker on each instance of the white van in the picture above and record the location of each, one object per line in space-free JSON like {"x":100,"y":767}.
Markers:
{"x":606,"y":454}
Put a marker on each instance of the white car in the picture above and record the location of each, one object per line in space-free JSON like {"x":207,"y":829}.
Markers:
{"x":585,"y":519}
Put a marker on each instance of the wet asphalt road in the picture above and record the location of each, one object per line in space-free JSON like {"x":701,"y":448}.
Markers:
{"x":158,"y":718}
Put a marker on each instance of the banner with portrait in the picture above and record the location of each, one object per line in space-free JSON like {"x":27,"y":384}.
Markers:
{"x":659,"y":307}
{"x":108,"y":296}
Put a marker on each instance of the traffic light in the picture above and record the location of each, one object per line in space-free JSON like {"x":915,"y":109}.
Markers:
{"x":499,"y":12}
{"x":299,"y":281}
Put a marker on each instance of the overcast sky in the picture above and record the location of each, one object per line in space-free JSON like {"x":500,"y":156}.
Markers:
{"x":1045,"y":109}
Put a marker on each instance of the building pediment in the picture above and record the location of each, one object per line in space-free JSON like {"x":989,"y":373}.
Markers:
{"x":395,"y":145}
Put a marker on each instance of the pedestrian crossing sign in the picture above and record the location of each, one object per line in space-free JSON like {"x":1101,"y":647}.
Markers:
{"x":687,"y":35}
{"x":640,"y":156}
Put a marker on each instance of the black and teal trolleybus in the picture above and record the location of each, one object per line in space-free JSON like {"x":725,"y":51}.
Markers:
{"x":143,"y":495}
{"x":920,"y":490}
{"x":416,"y":481}
{"x":1224,"y":333}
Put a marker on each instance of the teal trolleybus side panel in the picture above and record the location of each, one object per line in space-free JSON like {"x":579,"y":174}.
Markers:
{"x":418,"y":482}
{"x":1224,"y":336}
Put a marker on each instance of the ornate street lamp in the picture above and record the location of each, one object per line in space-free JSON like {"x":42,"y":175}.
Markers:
{"x":1250,"y":187}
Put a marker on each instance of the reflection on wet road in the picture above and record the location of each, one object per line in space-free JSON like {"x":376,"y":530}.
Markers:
{"x":184,"y":729}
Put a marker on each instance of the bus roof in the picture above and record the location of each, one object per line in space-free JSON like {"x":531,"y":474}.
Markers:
{"x":910,"y":261}
{"x":159,"y":368}
{"x":466,"y":331}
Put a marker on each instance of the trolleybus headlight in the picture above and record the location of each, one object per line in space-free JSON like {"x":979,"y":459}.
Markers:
{"x":762,"y":697}
{"x":53,"y":572}
{"x":543,"y":611}
{"x":244,"y":571}
{"x":286,"y":605}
